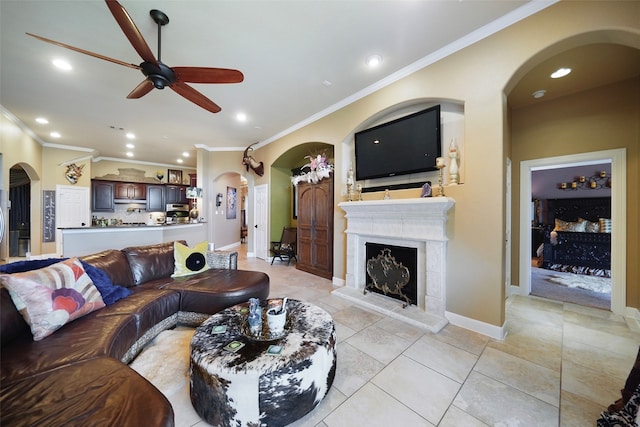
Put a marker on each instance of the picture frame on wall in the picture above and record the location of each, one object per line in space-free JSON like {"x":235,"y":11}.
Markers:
{"x":174,"y":176}
{"x":231,"y":202}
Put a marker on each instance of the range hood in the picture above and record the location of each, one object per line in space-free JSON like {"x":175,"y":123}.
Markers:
{"x":129,"y":201}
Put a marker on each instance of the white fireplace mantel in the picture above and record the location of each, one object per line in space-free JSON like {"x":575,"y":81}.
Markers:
{"x":417,"y":223}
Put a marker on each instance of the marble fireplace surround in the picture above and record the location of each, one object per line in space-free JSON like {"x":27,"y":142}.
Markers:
{"x":415,"y":223}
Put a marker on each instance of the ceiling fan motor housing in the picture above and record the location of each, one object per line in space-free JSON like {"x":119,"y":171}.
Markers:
{"x":159,"y":74}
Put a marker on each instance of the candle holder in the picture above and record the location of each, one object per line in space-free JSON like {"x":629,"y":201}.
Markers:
{"x":349,"y":192}
{"x":440,"y":166}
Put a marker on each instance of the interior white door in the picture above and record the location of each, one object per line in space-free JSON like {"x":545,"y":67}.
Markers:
{"x":261,"y":193}
{"x":73,"y":206}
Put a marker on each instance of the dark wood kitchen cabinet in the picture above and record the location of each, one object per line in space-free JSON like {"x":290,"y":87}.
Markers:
{"x":102,"y":196}
{"x":155,"y":198}
{"x":315,"y":228}
{"x":176,"y":194}
{"x":130,"y":190}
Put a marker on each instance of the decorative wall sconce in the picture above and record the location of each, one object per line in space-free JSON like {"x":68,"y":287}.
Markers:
{"x":597,"y":181}
{"x":219,"y":197}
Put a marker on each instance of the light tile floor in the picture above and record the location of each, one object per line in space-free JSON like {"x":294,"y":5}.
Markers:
{"x":560,"y":364}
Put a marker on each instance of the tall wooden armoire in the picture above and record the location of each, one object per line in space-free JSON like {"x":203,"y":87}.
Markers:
{"x":315,"y":228}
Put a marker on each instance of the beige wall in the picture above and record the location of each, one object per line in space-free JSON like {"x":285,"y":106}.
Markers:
{"x":477,"y":77}
{"x":604,"y":118}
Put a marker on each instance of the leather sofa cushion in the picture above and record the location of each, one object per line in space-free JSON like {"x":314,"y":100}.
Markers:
{"x":216,"y":289}
{"x":124,"y":398}
{"x":92,"y":336}
{"x":150,"y":262}
{"x":114,"y":263}
{"x":12,"y":323}
{"x":148,"y":306}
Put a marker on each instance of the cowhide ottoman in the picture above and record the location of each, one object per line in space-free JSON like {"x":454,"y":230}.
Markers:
{"x":260,"y":381}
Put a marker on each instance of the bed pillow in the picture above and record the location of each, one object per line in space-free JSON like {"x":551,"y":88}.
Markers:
{"x":576,"y":227}
{"x":590,"y":226}
{"x":189,"y":261}
{"x":50,"y":297}
{"x":605,"y":225}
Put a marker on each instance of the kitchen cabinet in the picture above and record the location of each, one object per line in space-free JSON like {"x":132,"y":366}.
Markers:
{"x":130,"y":190}
{"x":176,"y":194}
{"x":102,"y":193}
{"x":315,"y":228}
{"x":155,"y":198}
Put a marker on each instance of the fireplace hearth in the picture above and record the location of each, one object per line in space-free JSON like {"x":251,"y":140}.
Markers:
{"x":417,"y":224}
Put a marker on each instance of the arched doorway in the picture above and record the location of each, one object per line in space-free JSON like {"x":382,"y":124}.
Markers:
{"x":19,"y":230}
{"x":566,"y":109}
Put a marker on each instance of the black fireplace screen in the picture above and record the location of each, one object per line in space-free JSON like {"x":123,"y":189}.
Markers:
{"x":392,"y":271}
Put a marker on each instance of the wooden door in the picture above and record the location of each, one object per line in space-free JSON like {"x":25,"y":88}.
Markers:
{"x":261,"y":226}
{"x":315,"y":228}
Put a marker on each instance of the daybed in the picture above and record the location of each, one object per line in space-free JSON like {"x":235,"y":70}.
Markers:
{"x":78,"y":375}
{"x":578,"y":236}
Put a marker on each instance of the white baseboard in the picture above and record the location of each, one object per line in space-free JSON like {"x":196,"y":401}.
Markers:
{"x":497,"y":332}
{"x":336,"y":281}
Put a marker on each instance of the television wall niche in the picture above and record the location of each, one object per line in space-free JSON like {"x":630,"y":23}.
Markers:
{"x":403,"y":146}
{"x":413,"y":171}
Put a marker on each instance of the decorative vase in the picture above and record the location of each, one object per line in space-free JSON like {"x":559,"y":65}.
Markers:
{"x":453,"y":166}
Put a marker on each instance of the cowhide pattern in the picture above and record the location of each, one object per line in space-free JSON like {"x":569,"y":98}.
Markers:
{"x":253,"y":388}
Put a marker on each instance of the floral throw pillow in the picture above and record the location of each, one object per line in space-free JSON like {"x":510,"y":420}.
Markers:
{"x":189,"y":261}
{"x":51,"y":297}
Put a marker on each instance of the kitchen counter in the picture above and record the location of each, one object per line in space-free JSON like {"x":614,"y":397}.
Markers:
{"x":79,"y":241}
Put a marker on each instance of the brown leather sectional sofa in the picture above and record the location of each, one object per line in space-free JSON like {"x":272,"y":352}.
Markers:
{"x":79,"y":374}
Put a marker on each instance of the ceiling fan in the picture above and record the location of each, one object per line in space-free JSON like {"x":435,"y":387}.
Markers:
{"x":157,"y":74}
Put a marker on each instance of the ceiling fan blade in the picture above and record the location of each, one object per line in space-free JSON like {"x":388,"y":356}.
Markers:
{"x":141,"y":90}
{"x":86,"y":52}
{"x":194,"y":96}
{"x":207,"y":75}
{"x":131,"y":31}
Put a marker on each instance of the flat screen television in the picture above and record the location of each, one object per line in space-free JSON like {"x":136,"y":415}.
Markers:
{"x":403,"y":146}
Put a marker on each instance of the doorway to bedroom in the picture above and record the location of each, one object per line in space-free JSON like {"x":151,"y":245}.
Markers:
{"x":617,"y":160}
{"x":570,"y":233}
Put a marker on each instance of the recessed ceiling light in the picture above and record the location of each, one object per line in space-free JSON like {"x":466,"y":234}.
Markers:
{"x":129,"y":154}
{"x":55,"y":135}
{"x":185,"y":154}
{"x":130,"y":136}
{"x":374,"y":60}
{"x":539,"y":93}
{"x":179,"y":160}
{"x":130,"y":145}
{"x":62,"y":64}
{"x":241,"y":117}
{"x":326,"y":83}
{"x":42,"y":120}
{"x":560,"y":72}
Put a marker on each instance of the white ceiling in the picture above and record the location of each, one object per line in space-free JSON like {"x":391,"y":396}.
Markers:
{"x":286,"y":50}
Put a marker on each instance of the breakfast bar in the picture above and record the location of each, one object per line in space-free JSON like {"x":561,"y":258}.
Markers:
{"x":85,"y":240}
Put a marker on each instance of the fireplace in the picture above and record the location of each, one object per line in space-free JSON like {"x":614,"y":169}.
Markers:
{"x":391,"y":271}
{"x":419,"y":224}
